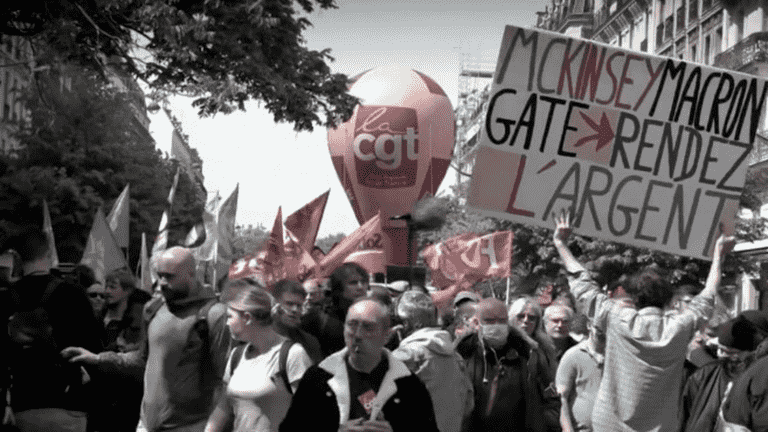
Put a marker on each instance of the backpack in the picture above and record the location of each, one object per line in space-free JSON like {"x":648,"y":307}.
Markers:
{"x":282,"y":361}
{"x":200,"y":326}
{"x":32,"y":328}
{"x":31,"y":332}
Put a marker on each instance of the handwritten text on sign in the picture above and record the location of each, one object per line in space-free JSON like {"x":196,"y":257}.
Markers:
{"x":644,"y":150}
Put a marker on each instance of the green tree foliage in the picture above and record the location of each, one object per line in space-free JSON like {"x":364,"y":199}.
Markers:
{"x":327,"y":242}
{"x":249,"y":239}
{"x":223,"y":53}
{"x":79,"y":148}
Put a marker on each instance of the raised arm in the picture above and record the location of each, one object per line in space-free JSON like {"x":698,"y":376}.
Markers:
{"x":560,"y":237}
{"x":703,"y":304}
{"x":723,"y":245}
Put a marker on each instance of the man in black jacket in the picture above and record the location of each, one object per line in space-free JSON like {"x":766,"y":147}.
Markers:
{"x":361,"y":388}
{"x":507,"y":396}
{"x":47,"y":314}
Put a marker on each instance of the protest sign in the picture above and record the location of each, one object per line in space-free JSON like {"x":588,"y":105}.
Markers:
{"x":469,"y":256}
{"x":644,"y":150}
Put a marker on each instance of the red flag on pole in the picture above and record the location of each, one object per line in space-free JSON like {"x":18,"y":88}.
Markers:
{"x":347,"y":245}
{"x":469,"y":256}
{"x":299,"y":264}
{"x":267,"y":265}
{"x":305,"y":222}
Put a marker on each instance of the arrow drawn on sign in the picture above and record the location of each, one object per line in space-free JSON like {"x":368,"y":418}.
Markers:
{"x":549,"y":165}
{"x":604,"y":133}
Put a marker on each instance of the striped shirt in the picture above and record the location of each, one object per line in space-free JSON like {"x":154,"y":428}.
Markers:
{"x":645,"y":351}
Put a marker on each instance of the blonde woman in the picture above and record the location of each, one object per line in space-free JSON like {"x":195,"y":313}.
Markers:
{"x":259,"y":386}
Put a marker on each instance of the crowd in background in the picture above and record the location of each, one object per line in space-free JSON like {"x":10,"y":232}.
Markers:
{"x":344,"y":354}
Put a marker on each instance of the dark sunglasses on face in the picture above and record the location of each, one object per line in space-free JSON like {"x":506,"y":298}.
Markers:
{"x":95,"y":295}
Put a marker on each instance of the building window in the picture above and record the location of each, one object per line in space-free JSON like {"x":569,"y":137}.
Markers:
{"x":693,"y":10}
{"x":668,"y":24}
{"x":705,"y":5}
{"x":681,"y":18}
{"x":707,"y":50}
{"x":693,"y":53}
{"x":659,"y":35}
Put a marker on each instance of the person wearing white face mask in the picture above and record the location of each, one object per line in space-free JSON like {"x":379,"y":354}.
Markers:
{"x":496,"y":355}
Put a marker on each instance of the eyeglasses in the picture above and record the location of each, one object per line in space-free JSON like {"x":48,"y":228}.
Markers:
{"x":366,"y":328}
{"x":96,"y":295}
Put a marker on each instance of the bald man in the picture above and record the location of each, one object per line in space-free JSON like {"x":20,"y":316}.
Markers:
{"x":507,"y":396}
{"x":184,"y":352}
{"x":361,"y":388}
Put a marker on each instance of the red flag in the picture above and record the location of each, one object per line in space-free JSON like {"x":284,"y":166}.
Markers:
{"x":305,"y":222}
{"x":268,"y":265}
{"x":469,"y":256}
{"x":347,"y":245}
{"x":299,"y":264}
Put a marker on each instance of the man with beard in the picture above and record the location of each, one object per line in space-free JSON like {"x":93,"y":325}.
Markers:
{"x":506,"y":395}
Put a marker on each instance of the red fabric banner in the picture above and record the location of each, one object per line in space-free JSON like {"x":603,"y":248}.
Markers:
{"x":305,"y":222}
{"x":347,"y":245}
{"x":299,"y":264}
{"x":469,"y":256}
{"x":267,"y":265}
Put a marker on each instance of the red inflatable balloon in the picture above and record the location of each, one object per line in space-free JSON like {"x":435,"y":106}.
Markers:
{"x":397,"y":146}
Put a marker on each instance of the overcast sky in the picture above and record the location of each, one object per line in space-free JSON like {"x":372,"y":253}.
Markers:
{"x":276,"y":166}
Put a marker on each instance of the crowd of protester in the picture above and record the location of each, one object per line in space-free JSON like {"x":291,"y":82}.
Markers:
{"x":344,"y":354}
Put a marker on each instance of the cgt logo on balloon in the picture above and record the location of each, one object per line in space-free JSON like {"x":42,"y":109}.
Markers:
{"x":386,"y":146}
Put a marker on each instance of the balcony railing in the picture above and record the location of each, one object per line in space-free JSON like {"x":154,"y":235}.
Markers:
{"x":752,"y":49}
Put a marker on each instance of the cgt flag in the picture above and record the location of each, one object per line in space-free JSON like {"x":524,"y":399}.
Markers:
{"x":469,"y":256}
{"x":349,"y":244}
{"x":299,"y":264}
{"x":305,"y":222}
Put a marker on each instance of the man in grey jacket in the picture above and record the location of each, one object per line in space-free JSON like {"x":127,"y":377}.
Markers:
{"x":428,"y":351}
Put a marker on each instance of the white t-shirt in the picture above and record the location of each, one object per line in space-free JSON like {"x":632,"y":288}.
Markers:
{"x":256,"y":391}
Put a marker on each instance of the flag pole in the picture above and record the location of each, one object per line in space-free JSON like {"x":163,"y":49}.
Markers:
{"x":508,"y":291}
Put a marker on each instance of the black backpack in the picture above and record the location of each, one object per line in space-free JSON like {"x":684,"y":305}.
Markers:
{"x":31,"y":328}
{"x":30,"y":333}
{"x":282,"y":361}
